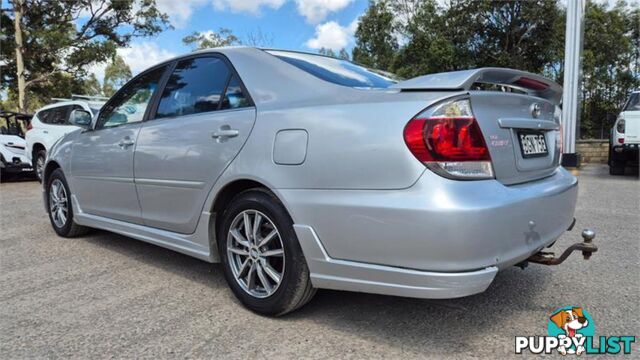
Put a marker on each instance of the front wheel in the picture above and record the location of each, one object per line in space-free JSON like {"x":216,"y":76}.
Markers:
{"x":60,"y":209}
{"x":262,"y":259}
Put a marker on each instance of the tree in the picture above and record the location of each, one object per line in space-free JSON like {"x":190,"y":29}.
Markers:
{"x":54,"y":38}
{"x":326,"y":52}
{"x":116,"y":74}
{"x":258,"y":38}
{"x":92,"y":86}
{"x":503,"y":33}
{"x":344,"y":54}
{"x":211,"y":39}
{"x":376,"y":44}
{"x":607,"y":65}
{"x":417,"y":37}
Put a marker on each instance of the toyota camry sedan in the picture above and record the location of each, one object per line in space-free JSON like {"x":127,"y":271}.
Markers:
{"x":300,"y":172}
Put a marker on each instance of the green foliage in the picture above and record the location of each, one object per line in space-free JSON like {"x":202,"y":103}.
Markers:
{"x":116,"y":74}
{"x":376,"y":46}
{"x":610,"y":53}
{"x":211,"y":39}
{"x":326,"y":52}
{"x":344,"y":54}
{"x":417,"y":37}
{"x":62,"y":38}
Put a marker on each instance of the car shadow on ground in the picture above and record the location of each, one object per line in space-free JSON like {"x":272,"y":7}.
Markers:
{"x":443,"y":326}
{"x":601,"y":171}
{"x":5,"y":178}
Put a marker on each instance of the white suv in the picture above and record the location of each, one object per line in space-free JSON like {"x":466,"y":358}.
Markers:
{"x":624,"y":142}
{"x":51,"y":123}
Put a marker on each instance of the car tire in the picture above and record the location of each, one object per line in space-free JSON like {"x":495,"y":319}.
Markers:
{"x":239,"y":261}
{"x":59,"y":206}
{"x":616,"y":164}
{"x":616,"y":169}
{"x":38,"y":165}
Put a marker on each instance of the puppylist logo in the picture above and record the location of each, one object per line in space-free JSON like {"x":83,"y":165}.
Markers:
{"x":571,"y":331}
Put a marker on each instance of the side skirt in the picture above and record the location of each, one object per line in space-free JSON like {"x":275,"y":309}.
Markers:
{"x":188,"y":244}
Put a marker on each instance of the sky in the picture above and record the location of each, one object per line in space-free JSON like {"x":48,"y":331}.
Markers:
{"x":291,"y":24}
{"x":306,"y":25}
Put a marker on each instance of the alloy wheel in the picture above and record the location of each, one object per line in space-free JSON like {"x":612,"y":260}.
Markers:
{"x":39,"y":167}
{"x":255,"y":253}
{"x":58,"y":204}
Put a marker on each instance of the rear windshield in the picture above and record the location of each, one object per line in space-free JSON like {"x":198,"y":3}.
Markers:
{"x":634,"y":103}
{"x":337,"y":71}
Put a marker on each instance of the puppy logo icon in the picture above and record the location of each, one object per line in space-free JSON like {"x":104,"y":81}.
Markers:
{"x":574,"y":324}
{"x":570,"y":330}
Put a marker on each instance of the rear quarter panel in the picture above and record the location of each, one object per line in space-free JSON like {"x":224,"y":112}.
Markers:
{"x":355,"y":136}
{"x":350,"y":146}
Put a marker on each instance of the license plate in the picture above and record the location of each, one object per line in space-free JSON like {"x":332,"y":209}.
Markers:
{"x":532,"y":144}
{"x":27,"y":169}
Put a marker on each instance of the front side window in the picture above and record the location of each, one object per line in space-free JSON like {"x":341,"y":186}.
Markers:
{"x":130,"y":104}
{"x":337,"y":71}
{"x":195,"y":86}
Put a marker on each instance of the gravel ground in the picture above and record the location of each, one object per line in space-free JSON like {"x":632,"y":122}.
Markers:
{"x":108,"y":296}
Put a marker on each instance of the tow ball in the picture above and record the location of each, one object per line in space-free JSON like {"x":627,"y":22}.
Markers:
{"x":586,"y":246}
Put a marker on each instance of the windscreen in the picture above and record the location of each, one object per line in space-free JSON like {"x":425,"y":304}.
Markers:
{"x":634,"y":103}
{"x":337,"y":71}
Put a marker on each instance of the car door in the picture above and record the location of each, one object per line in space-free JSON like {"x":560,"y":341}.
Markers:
{"x":203,"y":118}
{"x":102,"y":159}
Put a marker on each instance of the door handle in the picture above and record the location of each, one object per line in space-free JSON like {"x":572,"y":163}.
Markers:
{"x":225,"y":132}
{"x":126,"y":142}
{"x":45,"y":132}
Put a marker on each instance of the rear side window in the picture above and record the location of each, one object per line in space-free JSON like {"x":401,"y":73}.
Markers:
{"x":196,"y":86}
{"x":55,"y":116}
{"x":234,"y":97}
{"x":634,"y":103}
{"x":43,"y":116}
{"x":337,"y":71}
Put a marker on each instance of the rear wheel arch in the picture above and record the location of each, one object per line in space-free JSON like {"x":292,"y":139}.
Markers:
{"x":49,"y":169}
{"x":37,"y":147}
{"x":223,"y":199}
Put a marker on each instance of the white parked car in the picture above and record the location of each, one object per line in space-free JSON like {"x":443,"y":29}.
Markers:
{"x":13,"y":159}
{"x":51,"y":123}
{"x":625,"y":136}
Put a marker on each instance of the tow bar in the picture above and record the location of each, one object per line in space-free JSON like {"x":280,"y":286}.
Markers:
{"x":586,"y":246}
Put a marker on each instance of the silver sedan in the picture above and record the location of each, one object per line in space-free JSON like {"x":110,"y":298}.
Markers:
{"x":299,"y":171}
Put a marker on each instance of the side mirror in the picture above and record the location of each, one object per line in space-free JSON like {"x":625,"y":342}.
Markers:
{"x":80,"y":118}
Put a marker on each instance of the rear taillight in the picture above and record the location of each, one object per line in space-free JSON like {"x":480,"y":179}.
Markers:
{"x":620,"y":127}
{"x":448,"y":140}
{"x":557,"y":115}
{"x":29,"y":126}
{"x":620,"y":140}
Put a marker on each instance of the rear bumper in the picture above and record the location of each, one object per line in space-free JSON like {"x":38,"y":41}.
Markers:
{"x":15,"y":166}
{"x":626,"y":149}
{"x":328,"y":273}
{"x":624,"y":155}
{"x":440,"y":238}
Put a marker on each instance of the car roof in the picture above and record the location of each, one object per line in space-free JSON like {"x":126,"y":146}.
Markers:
{"x":226,"y":50}
{"x":89,"y":104}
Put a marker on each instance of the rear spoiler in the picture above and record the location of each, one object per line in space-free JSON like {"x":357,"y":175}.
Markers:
{"x":464,"y":80}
